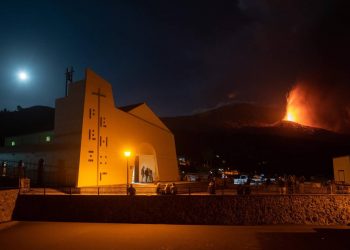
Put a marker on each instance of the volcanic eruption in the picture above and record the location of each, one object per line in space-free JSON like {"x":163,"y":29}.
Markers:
{"x":299,"y":108}
{"x":318,"y":106}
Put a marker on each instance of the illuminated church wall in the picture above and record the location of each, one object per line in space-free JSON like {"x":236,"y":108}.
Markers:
{"x":104,"y":140}
{"x":68,"y":129}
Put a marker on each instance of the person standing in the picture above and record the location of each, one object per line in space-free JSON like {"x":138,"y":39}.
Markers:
{"x":131,"y":190}
{"x":21,"y":170}
{"x":282,"y":185}
{"x":167,"y":189}
{"x":3,"y":168}
{"x":158,"y":189}
{"x":173,"y":189}
{"x":150,"y":172}
{"x":142,"y":173}
{"x":40,"y":172}
{"x":147,"y":174}
{"x":211,"y":187}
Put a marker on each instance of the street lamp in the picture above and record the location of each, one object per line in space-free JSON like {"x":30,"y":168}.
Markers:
{"x":127,"y":155}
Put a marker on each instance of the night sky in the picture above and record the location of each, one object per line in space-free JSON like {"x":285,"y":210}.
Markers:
{"x":178,"y":56}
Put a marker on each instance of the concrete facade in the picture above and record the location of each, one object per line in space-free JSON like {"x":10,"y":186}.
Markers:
{"x":91,"y":136}
{"x":341,"y":169}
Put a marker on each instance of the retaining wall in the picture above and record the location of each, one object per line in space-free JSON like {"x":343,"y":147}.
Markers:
{"x":7,"y":204}
{"x":181,"y":209}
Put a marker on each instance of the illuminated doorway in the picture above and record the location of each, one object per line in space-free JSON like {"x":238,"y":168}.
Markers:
{"x":146,"y":169}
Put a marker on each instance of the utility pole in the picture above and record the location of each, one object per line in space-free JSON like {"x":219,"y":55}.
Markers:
{"x":69,"y":77}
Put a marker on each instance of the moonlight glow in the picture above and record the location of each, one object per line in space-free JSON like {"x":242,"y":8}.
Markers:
{"x":23,"y":76}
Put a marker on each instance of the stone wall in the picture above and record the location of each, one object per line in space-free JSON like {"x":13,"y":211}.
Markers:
{"x":7,"y":204}
{"x":181,"y":209}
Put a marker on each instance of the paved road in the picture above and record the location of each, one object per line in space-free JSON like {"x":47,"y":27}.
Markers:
{"x":66,"y":235}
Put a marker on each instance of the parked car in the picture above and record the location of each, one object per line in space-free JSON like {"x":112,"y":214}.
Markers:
{"x":242,"y":179}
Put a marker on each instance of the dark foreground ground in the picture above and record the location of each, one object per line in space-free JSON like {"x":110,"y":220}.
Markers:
{"x":63,"y":235}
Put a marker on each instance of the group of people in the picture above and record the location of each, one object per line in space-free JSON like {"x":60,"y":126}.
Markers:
{"x":244,"y":189}
{"x":7,"y":169}
{"x":291,"y":184}
{"x":146,"y":174}
{"x":241,"y":189}
{"x":21,"y":170}
{"x":167,"y":189}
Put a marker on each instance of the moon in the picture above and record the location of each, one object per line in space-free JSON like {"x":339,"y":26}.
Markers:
{"x":22,"y":76}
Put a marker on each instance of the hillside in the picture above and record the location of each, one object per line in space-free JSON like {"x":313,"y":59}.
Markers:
{"x":227,"y":117}
{"x":26,"y":121}
{"x":253,"y":138}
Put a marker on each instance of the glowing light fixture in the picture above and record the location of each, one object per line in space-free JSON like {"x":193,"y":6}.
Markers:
{"x":127,"y":155}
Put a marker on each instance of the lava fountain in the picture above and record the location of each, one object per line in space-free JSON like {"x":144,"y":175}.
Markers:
{"x":298,"y":107}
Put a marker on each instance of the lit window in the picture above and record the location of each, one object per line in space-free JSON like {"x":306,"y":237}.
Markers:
{"x":13,"y":143}
{"x":48,"y":138}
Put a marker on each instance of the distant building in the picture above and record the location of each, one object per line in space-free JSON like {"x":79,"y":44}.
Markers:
{"x":341,"y":168}
{"x":90,"y":137}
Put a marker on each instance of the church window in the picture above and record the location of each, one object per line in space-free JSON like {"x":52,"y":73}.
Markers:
{"x":91,"y":157}
{"x":103,"y":122}
{"x":91,"y":112}
{"x":91,"y":134}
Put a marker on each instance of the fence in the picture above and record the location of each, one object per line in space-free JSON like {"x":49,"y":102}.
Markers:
{"x":43,"y":181}
{"x":187,"y":188}
{"x":40,"y":176}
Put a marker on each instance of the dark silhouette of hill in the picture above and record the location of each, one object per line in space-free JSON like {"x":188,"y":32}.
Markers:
{"x":254,"y":138}
{"x":227,"y":117}
{"x":26,"y":121}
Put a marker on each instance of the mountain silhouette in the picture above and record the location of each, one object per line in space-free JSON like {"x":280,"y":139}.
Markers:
{"x":254,"y":138}
{"x":26,"y":121}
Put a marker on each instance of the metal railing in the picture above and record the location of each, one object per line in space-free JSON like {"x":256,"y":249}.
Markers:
{"x":44,"y":182}
{"x":193,"y":188}
{"x":46,"y":175}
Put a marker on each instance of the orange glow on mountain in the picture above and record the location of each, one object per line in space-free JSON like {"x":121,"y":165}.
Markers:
{"x":298,"y":109}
